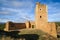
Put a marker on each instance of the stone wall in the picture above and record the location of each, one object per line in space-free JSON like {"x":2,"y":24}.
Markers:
{"x":52,"y":29}
{"x":14,"y":26}
{"x":18,"y":26}
{"x":28,"y":24}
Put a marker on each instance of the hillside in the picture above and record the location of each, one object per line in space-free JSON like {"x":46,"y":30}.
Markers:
{"x":2,"y":26}
{"x":58,"y":23}
{"x":27,"y":34}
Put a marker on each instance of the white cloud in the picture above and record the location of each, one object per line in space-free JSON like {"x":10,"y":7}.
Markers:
{"x":5,"y":12}
{"x":4,"y":20}
{"x":20,"y":13}
{"x":22,"y":8}
{"x":19,"y":4}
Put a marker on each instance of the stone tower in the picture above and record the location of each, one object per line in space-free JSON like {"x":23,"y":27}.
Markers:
{"x":41,"y":20}
{"x":41,"y":16}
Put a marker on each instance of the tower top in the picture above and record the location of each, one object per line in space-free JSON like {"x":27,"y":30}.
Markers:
{"x":38,"y":3}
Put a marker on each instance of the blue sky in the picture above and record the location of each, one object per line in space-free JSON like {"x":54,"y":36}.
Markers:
{"x":22,"y":10}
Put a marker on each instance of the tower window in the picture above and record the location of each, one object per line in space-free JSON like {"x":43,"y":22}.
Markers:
{"x":40,"y":9}
{"x":40,"y":16}
{"x":32,"y":26}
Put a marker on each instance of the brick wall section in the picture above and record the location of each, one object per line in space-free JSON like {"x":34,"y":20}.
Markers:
{"x":14,"y":26}
{"x":17,"y":26}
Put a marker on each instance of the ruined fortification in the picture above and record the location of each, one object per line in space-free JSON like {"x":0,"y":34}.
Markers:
{"x":41,"y":22}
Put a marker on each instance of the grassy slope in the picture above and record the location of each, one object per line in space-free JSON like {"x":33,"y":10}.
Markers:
{"x":42,"y":35}
{"x":2,"y":26}
{"x":58,"y":23}
{"x":38,"y":32}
